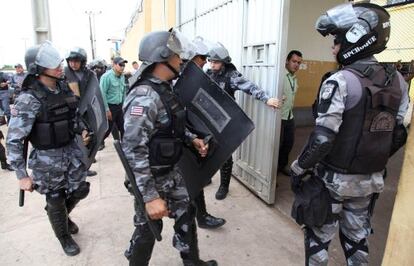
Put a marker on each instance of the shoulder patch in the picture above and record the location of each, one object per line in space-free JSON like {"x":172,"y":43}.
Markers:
{"x":327,"y":92}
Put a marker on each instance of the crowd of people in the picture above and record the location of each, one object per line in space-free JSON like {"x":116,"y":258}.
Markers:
{"x":149,"y":120}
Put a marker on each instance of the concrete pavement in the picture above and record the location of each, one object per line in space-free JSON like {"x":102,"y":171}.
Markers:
{"x":255,"y":234}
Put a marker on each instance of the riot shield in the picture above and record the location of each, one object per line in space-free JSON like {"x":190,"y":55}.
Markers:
{"x":92,"y":113}
{"x":214,"y":116}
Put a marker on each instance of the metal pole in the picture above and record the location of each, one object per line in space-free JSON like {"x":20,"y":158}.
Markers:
{"x":41,"y":20}
{"x":89,"y":13}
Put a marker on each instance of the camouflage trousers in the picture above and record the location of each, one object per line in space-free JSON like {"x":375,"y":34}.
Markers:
{"x":56,"y":169}
{"x":353,"y":220}
{"x":172,"y":189}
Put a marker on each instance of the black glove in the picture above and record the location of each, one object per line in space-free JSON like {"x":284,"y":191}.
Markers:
{"x":297,"y":174}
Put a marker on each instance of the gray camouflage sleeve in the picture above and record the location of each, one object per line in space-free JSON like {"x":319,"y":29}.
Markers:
{"x":405,"y":99}
{"x":139,"y":120}
{"x":332,"y":99}
{"x":23,"y":116}
{"x":239,"y":82}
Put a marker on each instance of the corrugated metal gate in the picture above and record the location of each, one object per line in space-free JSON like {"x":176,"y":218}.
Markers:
{"x":255,"y":46}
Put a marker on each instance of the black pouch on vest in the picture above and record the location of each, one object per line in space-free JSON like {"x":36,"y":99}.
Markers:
{"x":46,"y":137}
{"x":312,"y":205}
{"x":165,"y":151}
{"x":62,"y":132}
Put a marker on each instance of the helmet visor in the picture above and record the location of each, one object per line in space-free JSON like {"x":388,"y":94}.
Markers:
{"x":180,"y":45}
{"x":337,"y":19}
{"x":48,"y":56}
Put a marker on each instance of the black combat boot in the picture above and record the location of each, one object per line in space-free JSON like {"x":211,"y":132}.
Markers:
{"x":141,"y":245}
{"x":70,"y":205}
{"x":192,"y":258}
{"x":77,"y":195}
{"x":225,"y":176}
{"x":58,"y":217}
{"x":3,"y":158}
{"x":6,"y":166}
{"x":204,"y":219}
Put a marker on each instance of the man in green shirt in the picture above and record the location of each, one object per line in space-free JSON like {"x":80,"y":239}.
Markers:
{"x":113,"y":90}
{"x":287,"y":132}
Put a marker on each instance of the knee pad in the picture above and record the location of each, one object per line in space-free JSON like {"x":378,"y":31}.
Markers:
{"x":56,"y":199}
{"x":350,"y":247}
{"x":82,"y":191}
{"x":315,"y":249}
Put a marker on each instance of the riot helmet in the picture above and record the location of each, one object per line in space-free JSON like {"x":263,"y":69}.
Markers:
{"x":219,"y":53}
{"x":362,"y":29}
{"x":158,"y":46}
{"x":201,"y":46}
{"x":97,"y":63}
{"x":77,"y":53}
{"x":42,"y":56}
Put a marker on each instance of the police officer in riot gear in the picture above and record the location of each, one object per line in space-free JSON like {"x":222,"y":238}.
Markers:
{"x":154,"y":135}
{"x":99,"y":67}
{"x":229,"y":79}
{"x":78,"y":76}
{"x":360,"y":112}
{"x":204,"y":219}
{"x":45,"y":115}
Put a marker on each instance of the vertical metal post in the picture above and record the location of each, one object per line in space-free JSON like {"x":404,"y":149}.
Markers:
{"x":91,"y":16}
{"x":89,"y":13}
{"x":41,"y":20}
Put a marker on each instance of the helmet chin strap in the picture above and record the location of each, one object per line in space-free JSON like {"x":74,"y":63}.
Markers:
{"x":176,"y":73}
{"x":52,"y":77}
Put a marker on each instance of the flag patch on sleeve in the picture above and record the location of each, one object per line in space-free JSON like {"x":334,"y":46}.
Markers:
{"x":137,"y":110}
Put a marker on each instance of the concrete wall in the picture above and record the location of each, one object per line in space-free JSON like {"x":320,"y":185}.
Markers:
{"x":154,"y":15}
{"x":302,"y":35}
{"x":316,"y":50}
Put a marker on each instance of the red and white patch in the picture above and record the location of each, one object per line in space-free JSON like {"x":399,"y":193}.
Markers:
{"x":137,"y":110}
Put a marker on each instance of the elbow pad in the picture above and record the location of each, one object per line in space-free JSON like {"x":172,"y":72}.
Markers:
{"x":319,"y":145}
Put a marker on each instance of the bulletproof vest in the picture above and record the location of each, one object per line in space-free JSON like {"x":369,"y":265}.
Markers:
{"x":54,"y":125}
{"x":363,"y":143}
{"x":222,"y":78}
{"x":165,"y":146}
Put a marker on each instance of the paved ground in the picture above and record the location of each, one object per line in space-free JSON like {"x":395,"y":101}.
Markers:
{"x":255,"y":234}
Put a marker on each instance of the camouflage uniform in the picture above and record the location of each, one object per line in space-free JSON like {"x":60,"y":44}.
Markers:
{"x":231,"y":80}
{"x":351,"y":194}
{"x":144,"y":113}
{"x":53,"y":169}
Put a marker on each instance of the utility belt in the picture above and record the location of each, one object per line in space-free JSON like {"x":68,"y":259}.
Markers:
{"x":328,"y":167}
{"x":161,"y":170}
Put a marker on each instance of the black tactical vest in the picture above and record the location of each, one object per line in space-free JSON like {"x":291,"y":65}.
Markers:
{"x":54,"y":124}
{"x":165,"y":146}
{"x":363,"y":143}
